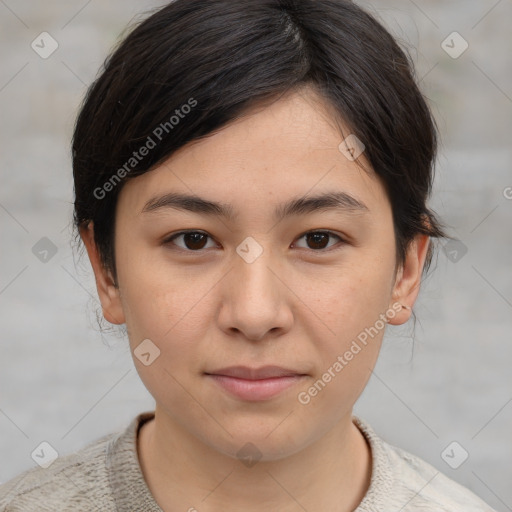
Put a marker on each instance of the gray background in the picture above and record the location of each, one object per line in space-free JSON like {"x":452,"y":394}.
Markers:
{"x":63,"y":381}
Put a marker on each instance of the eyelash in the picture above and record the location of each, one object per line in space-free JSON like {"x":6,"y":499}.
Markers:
{"x":170,"y":239}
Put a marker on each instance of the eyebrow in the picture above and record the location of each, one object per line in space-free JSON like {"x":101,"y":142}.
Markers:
{"x":339,"y":201}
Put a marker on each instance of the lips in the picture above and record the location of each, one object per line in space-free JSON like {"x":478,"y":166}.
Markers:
{"x":264,"y":372}
{"x":255,"y":384}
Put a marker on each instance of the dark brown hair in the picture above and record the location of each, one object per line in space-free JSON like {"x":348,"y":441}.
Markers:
{"x":195,"y":65}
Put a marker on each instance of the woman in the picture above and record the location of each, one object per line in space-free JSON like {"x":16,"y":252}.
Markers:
{"x":251,"y":182}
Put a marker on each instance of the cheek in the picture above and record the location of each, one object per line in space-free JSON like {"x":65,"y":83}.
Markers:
{"x":167,"y":309}
{"x":352,"y":296}
{"x":350,"y":306}
{"x":347,"y":351}
{"x":170,"y":310}
{"x":158,"y":297}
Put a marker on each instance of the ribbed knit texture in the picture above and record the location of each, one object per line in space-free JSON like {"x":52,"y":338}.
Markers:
{"x":106,"y":476}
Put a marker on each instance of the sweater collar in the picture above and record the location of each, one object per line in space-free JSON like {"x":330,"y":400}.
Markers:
{"x":129,"y":486}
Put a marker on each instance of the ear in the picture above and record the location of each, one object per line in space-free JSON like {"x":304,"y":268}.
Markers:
{"x":108,"y":293}
{"x":408,"y":279}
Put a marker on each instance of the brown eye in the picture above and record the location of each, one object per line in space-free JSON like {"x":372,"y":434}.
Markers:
{"x":193,"y":240}
{"x":318,"y":240}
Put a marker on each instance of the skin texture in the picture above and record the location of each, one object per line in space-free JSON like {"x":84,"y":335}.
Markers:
{"x":295,"y":305}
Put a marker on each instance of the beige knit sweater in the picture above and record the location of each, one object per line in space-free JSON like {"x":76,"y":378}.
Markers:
{"x":106,"y":476}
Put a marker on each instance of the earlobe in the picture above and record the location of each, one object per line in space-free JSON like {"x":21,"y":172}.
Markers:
{"x":408,"y":281}
{"x":107,"y":291}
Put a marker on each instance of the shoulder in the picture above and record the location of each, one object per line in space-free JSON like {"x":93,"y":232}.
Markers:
{"x":429,"y":488}
{"x":404,"y":481}
{"x":69,"y":483}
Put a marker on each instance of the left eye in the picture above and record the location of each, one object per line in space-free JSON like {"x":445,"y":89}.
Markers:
{"x":195,"y":241}
{"x":319,"y":238}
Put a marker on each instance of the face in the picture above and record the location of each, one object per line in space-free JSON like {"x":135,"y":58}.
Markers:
{"x":305,"y":289}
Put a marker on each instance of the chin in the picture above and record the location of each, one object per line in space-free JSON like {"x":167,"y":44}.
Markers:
{"x":265,"y":441}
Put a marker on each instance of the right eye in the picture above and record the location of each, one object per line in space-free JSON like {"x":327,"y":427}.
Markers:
{"x":193,"y":241}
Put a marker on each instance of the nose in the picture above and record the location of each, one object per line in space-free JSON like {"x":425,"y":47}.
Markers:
{"x":255,"y":299}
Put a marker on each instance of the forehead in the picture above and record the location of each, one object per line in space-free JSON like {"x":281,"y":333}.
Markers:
{"x":281,"y":150}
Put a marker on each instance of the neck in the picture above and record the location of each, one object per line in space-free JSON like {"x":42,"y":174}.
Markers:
{"x":184,"y":473}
